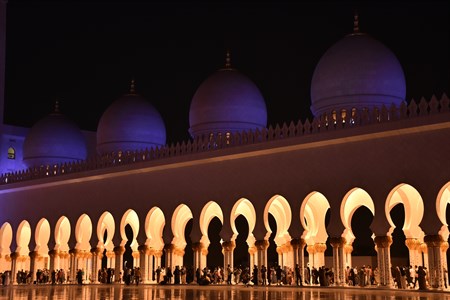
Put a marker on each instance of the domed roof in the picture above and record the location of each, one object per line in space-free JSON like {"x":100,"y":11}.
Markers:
{"x":130,"y":123}
{"x":227,"y":102}
{"x":54,"y":139}
{"x":357,"y":72}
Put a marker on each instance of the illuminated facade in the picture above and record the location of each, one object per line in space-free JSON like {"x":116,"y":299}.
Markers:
{"x":352,"y":154}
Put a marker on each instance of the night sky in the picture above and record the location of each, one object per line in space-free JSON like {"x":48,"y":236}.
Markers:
{"x":85,"y":54}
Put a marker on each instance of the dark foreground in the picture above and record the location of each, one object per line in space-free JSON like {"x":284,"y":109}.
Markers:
{"x":212,"y":292}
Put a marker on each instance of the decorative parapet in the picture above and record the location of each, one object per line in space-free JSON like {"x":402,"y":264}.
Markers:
{"x":336,"y":121}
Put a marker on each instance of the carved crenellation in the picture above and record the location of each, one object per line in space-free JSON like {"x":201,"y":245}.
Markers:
{"x":326,"y":123}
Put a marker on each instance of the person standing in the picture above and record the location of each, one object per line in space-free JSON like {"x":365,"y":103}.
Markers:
{"x":229,"y":274}
{"x":298,"y":275}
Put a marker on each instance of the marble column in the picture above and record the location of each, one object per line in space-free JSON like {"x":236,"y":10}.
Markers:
{"x":14,"y":256}
{"x":298,"y":248}
{"x":311,"y":253}
{"x":383,"y":244}
{"x":252,"y":251}
{"x":319,"y":255}
{"x":33,"y":258}
{"x":415,"y":255}
{"x":118,"y":261}
{"x":435,"y":267}
{"x":444,"y":248}
{"x":54,"y":255}
{"x":136,"y":259}
{"x":338,"y":244}
{"x":97,"y":254}
{"x":228,"y":259}
{"x":261,"y":256}
{"x":348,"y":249}
{"x":144,"y":253}
{"x":73,"y":265}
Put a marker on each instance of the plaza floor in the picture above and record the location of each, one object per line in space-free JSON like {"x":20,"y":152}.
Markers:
{"x":212,"y":292}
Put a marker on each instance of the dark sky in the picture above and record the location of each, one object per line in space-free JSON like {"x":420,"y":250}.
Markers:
{"x":85,"y":54}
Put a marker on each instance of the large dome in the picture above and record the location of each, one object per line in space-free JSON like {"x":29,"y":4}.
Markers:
{"x":130,"y":123}
{"x":227,"y":102}
{"x":357,"y":72}
{"x":54,"y":140}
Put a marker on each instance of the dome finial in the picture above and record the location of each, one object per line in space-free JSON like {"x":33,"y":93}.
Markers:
{"x":132,"y":85}
{"x":356,"y":22}
{"x":228,"y":60}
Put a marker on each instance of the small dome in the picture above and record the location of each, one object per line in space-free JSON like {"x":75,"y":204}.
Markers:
{"x":54,"y":140}
{"x":357,"y":72}
{"x":130,"y":123}
{"x":227,"y":102}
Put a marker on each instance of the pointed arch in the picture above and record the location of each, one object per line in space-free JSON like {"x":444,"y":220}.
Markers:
{"x":131,"y":218}
{"x":42,"y":236}
{"x":62,"y":234}
{"x":180,"y":217}
{"x":280,"y":209}
{"x":6,"y":236}
{"x":106,"y":223}
{"x":245,"y":208}
{"x":312,"y":216}
{"x":154,"y":226}
{"x":353,"y":200}
{"x":209,"y":211}
{"x":23,"y":238}
{"x":443,"y":199}
{"x":414,"y":209}
{"x":83,"y":233}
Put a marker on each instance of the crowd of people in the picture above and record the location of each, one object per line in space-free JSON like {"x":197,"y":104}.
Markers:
{"x":404,"y":277}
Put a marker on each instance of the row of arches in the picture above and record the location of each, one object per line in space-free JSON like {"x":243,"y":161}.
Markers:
{"x":92,"y":243}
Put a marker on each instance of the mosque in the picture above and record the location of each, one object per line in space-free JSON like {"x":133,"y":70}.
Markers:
{"x":67,"y":195}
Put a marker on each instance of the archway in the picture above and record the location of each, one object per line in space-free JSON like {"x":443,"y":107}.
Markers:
{"x":62,"y":236}
{"x":154,"y":226}
{"x":6,"y":236}
{"x":211,"y":221}
{"x":42,"y":236}
{"x":243,"y":207}
{"x":180,"y":218}
{"x":357,"y":208}
{"x":105,"y":233}
{"x":83,"y":234}
{"x":129,"y":230}
{"x":413,"y":210}
{"x":443,"y":212}
{"x":280,"y":210}
{"x":23,"y":238}
{"x":313,"y":214}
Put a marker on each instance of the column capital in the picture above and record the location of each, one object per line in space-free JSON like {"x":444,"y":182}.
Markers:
{"x":197,"y":246}
{"x":144,"y":249}
{"x":298,"y":243}
{"x":119,"y":250}
{"x":74,"y":251}
{"x":434,"y":240}
{"x":228,"y":246}
{"x":444,"y":246}
{"x":252,"y":250}
{"x":158,"y":253}
{"x":97,"y":251}
{"x":262,"y":244}
{"x":14,"y":255}
{"x":53,"y":252}
{"x":310,"y":249}
{"x":33,"y":254}
{"x":383,"y":241}
{"x":320,"y":247}
{"x":337,"y":242}
{"x":412,"y":243}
